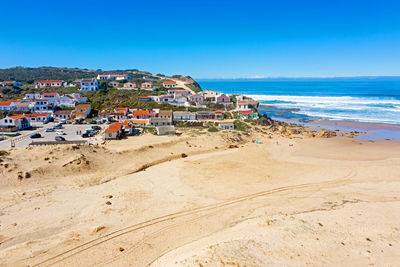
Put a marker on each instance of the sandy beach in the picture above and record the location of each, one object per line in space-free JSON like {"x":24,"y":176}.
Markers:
{"x":203,"y":199}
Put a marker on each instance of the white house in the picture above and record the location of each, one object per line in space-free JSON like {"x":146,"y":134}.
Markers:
{"x":39,"y":105}
{"x":130,"y":85}
{"x":169,"y":84}
{"x":8,"y":105}
{"x":63,"y":114}
{"x":118,"y":77}
{"x":52,"y":97}
{"x":114,"y":84}
{"x":18,"y":121}
{"x":67,"y":101}
{"x":38,"y":117}
{"x":210,"y":92}
{"x":165,"y":99}
{"x":32,"y":96}
{"x":146,"y":85}
{"x":226,"y":126}
{"x":180,"y":100}
{"x":196,"y":98}
{"x":88,"y":85}
{"x":177,"y":93}
{"x":49,"y":83}
{"x":23,"y":106}
{"x":242,"y":105}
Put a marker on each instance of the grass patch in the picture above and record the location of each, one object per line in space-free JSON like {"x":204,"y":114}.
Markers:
{"x":213,"y":129}
{"x":4,"y":153}
{"x":241,"y":126}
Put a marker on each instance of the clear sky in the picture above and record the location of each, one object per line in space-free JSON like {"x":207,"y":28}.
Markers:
{"x":205,"y":39}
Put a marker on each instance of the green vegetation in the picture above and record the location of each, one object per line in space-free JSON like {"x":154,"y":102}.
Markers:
{"x":181,"y":124}
{"x":3,"y":153}
{"x":228,"y":115}
{"x":213,"y":129}
{"x":241,"y":126}
{"x":151,"y":130}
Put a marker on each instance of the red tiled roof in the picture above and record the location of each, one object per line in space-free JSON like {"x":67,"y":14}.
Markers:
{"x":246,"y":112}
{"x":51,"y":93}
{"x":243,"y":102}
{"x":63,"y":112}
{"x":8,"y":102}
{"x":49,"y":81}
{"x":83,"y":106}
{"x":169,"y":82}
{"x":114,"y":128}
{"x":35,"y":115}
{"x":139,"y":121}
{"x":121,"y":109}
{"x":140,"y":112}
{"x":17,"y":117}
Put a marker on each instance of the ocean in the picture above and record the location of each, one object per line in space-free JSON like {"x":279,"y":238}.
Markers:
{"x":361,"y":100}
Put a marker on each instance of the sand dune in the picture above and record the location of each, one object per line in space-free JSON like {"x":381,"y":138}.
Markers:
{"x":203,"y":199}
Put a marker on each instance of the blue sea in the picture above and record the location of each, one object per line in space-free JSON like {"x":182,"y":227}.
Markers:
{"x":362,"y":100}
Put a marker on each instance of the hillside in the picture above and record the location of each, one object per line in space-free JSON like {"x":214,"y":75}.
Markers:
{"x":28,"y":75}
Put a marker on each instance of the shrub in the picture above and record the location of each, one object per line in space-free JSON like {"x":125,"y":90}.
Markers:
{"x":241,"y":126}
{"x":3,"y":153}
{"x":181,"y":124}
{"x":212,"y":129}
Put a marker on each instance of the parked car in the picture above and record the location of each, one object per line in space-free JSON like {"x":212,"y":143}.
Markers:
{"x":86,"y":135}
{"x":63,"y":121}
{"x":58,"y":126}
{"x":96,"y":127}
{"x":36,"y":135}
{"x":50,"y":130}
{"x":59,"y":138}
{"x":60,"y":132}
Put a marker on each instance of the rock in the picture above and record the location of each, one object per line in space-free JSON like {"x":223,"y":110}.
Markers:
{"x":108,"y":203}
{"x":27,"y":175}
{"x":184,"y":155}
{"x":98,"y":229}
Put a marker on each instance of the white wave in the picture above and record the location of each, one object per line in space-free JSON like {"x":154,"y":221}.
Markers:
{"x":327,"y":99}
{"x":348,"y":117}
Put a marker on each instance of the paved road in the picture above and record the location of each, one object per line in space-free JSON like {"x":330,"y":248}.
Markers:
{"x":24,"y":139}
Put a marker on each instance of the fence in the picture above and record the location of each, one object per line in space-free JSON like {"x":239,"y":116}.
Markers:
{"x":67,"y":142}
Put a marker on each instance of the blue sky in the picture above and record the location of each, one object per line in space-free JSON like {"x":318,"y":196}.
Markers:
{"x":205,"y":39}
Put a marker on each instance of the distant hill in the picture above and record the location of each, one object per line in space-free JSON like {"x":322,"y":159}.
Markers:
{"x":28,"y":75}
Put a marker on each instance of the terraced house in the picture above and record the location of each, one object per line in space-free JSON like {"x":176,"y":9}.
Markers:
{"x":49,"y":83}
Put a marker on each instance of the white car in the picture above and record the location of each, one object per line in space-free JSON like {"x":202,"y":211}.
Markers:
{"x":60,"y":132}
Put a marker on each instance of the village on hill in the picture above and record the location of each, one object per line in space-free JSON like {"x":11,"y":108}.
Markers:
{"x":46,"y":116}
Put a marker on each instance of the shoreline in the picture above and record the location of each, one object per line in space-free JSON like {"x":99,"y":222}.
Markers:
{"x":369,"y":131}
